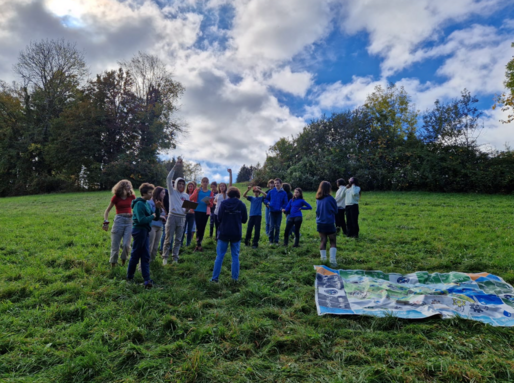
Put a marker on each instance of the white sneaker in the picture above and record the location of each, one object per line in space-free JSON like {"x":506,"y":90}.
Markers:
{"x":164,"y":261}
{"x":323,"y":258}
{"x":333,"y":262}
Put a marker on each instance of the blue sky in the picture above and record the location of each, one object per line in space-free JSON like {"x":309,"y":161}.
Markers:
{"x":258,"y":70}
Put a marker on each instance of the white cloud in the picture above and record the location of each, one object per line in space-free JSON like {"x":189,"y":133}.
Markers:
{"x":397,"y":27}
{"x":295,"y":83}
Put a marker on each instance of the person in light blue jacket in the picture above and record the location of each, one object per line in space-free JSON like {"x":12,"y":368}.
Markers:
{"x":326,"y":211}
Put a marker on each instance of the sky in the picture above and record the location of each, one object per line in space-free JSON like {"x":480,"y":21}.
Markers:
{"x":258,"y":70}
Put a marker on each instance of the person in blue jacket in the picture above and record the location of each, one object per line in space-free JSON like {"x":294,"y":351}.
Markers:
{"x":276,"y":201}
{"x":326,"y":211}
{"x":231,"y":215}
{"x":293,"y":211}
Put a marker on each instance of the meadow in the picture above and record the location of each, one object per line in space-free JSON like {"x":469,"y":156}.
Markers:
{"x":65,"y":316}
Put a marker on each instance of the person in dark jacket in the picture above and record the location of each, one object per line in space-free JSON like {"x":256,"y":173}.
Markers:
{"x":326,"y":211}
{"x":293,"y":211}
{"x":142,"y":218}
{"x":231,"y":215}
{"x":276,"y":200}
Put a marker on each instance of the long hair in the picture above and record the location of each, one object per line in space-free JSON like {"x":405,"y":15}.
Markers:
{"x":299,"y":191}
{"x":324,"y":190}
{"x":156,"y":193}
{"x":286,"y":187}
{"x":225,"y":192}
{"x":187,"y":187}
{"x":117,"y":190}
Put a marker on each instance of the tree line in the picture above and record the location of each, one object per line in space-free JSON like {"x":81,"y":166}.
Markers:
{"x":60,"y":130}
{"x":389,"y":145}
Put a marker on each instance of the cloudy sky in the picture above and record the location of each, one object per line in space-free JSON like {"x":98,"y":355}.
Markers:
{"x":258,"y":70}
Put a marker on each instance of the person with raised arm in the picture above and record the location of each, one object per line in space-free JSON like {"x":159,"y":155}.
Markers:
{"x":255,"y":216}
{"x":177,"y":214}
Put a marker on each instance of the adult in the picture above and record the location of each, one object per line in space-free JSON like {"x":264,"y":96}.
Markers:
{"x":232,"y":214}
{"x":353,"y":194}
{"x":220,"y":197}
{"x":326,"y":210}
{"x":122,"y":226}
{"x":276,"y":200}
{"x":177,"y":214}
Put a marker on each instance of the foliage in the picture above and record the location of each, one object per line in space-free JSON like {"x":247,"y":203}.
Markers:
{"x":506,"y":100}
{"x":246,"y":173}
{"x":60,"y":133}
{"x":66,"y":317}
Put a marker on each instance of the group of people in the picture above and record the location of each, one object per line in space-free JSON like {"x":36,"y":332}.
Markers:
{"x":164,"y":213}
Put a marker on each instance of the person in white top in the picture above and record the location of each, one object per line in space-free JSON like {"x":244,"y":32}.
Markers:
{"x":353,"y":193}
{"x":341,"y":205}
{"x":220,"y":197}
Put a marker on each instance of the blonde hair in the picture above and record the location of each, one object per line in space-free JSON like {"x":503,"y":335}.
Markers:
{"x":117,"y":190}
{"x":226,"y":189}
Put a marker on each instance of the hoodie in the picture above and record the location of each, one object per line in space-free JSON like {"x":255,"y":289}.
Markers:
{"x":326,"y":210}
{"x":295,"y":206}
{"x":341,"y":197}
{"x":231,"y":215}
{"x":176,"y":198}
{"x":277,"y":200}
{"x":142,"y":215}
{"x":353,"y":195}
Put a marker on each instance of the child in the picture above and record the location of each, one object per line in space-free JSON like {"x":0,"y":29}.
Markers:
{"x":177,"y":214}
{"x":232,"y":214}
{"x":271,"y":186}
{"x":204,"y":197}
{"x":276,"y":200}
{"x":341,"y":205}
{"x":353,"y":194}
{"x":122,"y":226}
{"x":190,"y":216}
{"x":157,"y":225}
{"x":141,"y":227}
{"x":293,"y":211}
{"x":326,"y":210}
{"x":255,"y":216}
{"x":214,"y":189}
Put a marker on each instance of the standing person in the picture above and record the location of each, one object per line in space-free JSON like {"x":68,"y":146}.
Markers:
{"x":220,"y":197}
{"x":353,"y":194}
{"x":190,"y":216}
{"x":122,"y":226}
{"x":271,"y":186}
{"x":166,"y":207}
{"x":204,"y":197}
{"x":255,"y":216}
{"x":341,"y":205}
{"x":232,"y":214}
{"x":157,"y":225}
{"x":293,"y":211}
{"x":141,"y":228}
{"x":287,"y":189}
{"x":326,"y":211}
{"x":212,"y":221}
{"x":177,"y":214}
{"x":276,"y":200}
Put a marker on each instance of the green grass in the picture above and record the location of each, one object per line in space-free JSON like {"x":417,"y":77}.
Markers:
{"x":66,"y":317}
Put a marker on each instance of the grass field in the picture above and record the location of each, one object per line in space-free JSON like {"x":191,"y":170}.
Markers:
{"x":66,"y":317}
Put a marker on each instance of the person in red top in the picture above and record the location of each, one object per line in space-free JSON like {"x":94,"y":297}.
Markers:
{"x":122,"y":226}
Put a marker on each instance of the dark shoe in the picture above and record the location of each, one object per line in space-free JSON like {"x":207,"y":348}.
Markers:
{"x":196,"y":249}
{"x":200,"y":249}
{"x":296,"y":245}
{"x":149,"y":284}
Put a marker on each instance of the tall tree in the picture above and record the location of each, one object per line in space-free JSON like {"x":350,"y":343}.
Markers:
{"x":506,"y":100}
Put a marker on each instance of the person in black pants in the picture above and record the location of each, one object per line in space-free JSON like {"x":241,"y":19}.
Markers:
{"x":255,"y":216}
{"x":293,"y":211}
{"x":353,"y":193}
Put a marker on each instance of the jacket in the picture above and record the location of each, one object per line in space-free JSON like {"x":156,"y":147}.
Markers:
{"x":176,"y":198}
{"x":353,"y":195}
{"x":341,"y":197}
{"x":326,"y":210}
{"x":231,"y":215}
{"x":142,"y":215}
{"x":295,"y":206}
{"x":277,"y":200}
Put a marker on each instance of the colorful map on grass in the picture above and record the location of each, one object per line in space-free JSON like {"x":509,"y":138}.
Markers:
{"x":482,"y":297}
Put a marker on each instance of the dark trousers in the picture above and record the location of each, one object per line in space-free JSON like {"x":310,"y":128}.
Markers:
{"x":213,"y":222}
{"x":352,"y":220}
{"x":293,"y":223}
{"x":190,"y":220}
{"x":217,"y":224}
{"x":254,"y":221}
{"x":201,"y":219}
{"x":274,"y":230}
{"x":140,"y":251}
{"x":340,"y":219}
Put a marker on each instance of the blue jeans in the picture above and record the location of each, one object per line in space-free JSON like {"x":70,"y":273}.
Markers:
{"x":267,"y":222}
{"x":221,"y":250}
{"x":275,"y":221}
{"x":140,"y":250}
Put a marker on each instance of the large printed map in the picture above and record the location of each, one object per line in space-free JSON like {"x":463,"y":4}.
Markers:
{"x":482,"y":297}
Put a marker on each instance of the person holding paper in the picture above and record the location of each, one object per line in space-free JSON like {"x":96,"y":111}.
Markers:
{"x":204,"y":197}
{"x":176,"y":216}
